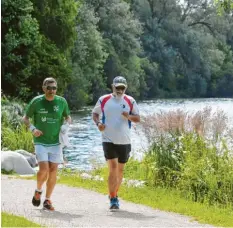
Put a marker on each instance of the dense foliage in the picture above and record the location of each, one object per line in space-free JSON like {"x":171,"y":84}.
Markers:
{"x":164,"y":48}
{"x":14,"y":134}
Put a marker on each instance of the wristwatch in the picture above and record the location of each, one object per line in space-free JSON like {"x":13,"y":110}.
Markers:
{"x":32,"y":127}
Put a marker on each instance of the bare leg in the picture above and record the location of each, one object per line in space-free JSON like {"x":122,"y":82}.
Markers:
{"x":42,"y":174}
{"x":113,"y":176}
{"x":120,"y":174}
{"x":51,"y":179}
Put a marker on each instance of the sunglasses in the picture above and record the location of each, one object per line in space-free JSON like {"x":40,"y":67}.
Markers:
{"x":51,"y":88}
{"x":120,"y":88}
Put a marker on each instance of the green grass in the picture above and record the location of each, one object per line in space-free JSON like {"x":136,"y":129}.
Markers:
{"x":11,"y":172}
{"x":9,"y":220}
{"x":13,"y":139}
{"x":159,"y":198}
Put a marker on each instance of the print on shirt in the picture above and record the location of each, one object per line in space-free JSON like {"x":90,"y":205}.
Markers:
{"x":55,"y":108}
{"x":43,"y":111}
{"x":43,"y":119}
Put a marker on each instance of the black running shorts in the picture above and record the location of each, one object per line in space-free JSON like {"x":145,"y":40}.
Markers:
{"x":122,"y":152}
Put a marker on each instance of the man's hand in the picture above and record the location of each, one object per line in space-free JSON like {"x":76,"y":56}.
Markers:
{"x":37,"y":133}
{"x":125,"y":115}
{"x":133,"y":118}
{"x":101,"y":126}
{"x":64,"y":128}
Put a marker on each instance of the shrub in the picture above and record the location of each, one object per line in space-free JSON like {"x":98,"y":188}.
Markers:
{"x":11,"y":113}
{"x":20,"y":138}
{"x":14,"y":133}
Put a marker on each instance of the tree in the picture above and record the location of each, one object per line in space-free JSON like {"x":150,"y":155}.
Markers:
{"x":120,"y":31}
{"x":182,"y":41}
{"x":57,"y":20}
{"x":20,"y":35}
{"x":28,"y":56}
{"x":88,"y":58}
{"x":224,"y":5}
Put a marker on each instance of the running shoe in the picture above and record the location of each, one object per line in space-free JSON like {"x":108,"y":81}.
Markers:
{"x":47,"y":205}
{"x":36,"y":198}
{"x":114,"y":203}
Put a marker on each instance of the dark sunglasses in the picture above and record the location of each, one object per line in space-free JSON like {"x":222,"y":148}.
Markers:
{"x":51,"y":88}
{"x":120,"y":88}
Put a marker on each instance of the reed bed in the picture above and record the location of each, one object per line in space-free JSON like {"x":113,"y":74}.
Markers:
{"x":191,"y":153}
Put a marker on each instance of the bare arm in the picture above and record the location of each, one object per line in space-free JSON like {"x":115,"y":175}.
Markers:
{"x":133,"y":118}
{"x":26,"y":120}
{"x":68,"y":119}
{"x":96,"y":119}
{"x":34,"y":131}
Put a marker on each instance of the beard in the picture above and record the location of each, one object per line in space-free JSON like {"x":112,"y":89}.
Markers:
{"x":118,"y":95}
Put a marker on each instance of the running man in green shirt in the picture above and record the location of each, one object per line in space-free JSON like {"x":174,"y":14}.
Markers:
{"x":50,"y":114}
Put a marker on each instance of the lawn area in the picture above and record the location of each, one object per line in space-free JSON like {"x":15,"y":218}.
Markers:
{"x":9,"y":220}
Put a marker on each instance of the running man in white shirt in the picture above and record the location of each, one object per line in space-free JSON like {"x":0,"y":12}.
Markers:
{"x":118,"y":110}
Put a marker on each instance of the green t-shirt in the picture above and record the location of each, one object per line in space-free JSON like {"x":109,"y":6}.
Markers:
{"x":48,"y":117}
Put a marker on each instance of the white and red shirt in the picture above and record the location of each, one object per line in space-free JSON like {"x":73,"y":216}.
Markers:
{"x":117,"y":127}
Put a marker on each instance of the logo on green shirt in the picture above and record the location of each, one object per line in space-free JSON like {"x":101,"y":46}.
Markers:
{"x":55,"y":108}
{"x":43,"y":119}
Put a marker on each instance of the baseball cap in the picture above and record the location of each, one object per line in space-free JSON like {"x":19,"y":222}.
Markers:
{"x":119,"y":81}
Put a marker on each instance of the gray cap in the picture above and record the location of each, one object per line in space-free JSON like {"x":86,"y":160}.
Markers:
{"x":119,"y":81}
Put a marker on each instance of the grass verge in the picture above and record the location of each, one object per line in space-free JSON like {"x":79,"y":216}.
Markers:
{"x":9,"y":220}
{"x":159,"y":198}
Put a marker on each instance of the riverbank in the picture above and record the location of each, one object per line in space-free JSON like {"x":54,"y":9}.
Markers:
{"x":188,"y":156}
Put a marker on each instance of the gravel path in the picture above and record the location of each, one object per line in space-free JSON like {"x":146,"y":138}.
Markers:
{"x":76,"y":207}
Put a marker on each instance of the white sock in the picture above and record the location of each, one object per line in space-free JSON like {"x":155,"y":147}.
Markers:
{"x":39,"y":190}
{"x":47,"y":198}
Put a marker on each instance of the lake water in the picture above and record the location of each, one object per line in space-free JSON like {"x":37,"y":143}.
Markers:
{"x":85,"y":152}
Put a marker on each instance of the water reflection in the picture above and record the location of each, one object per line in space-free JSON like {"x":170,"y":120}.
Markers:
{"x":85,"y":152}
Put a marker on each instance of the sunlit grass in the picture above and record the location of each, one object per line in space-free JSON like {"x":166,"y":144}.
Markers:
{"x":14,"y":139}
{"x":159,"y":198}
{"x":9,"y":220}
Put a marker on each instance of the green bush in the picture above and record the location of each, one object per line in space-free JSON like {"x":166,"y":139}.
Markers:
{"x":20,"y":138}
{"x":207,"y":172}
{"x":14,"y":133}
{"x":165,"y":157}
{"x":11,"y":113}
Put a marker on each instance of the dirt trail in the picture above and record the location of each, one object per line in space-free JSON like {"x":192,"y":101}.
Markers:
{"x":77,"y":207}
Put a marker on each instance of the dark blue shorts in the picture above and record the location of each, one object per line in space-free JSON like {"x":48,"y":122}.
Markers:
{"x":122,"y":152}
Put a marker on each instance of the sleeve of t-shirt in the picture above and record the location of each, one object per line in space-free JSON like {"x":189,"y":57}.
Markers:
{"x":29,"y":112}
{"x":135,"y":110}
{"x":97,"y":108}
{"x":66,"y":111}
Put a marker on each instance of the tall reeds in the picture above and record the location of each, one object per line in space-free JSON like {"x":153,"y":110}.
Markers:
{"x":192,"y":153}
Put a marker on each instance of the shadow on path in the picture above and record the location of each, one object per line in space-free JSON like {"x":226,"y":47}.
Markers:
{"x":58,"y":215}
{"x":131,"y":215}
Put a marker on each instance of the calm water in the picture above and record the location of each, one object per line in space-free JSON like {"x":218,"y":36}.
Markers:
{"x":85,"y":151}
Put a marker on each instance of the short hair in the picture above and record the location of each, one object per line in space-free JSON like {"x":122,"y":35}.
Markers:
{"x":49,"y":80}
